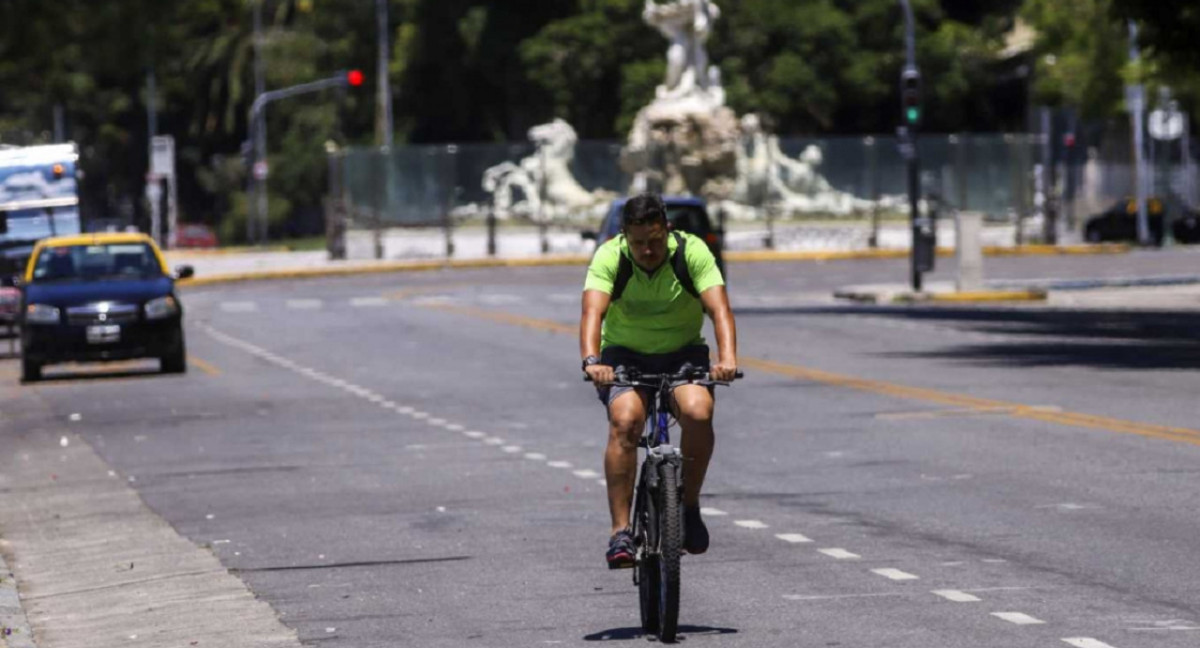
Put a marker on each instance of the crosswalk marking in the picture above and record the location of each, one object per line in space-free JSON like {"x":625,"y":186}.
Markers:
{"x":305,"y":304}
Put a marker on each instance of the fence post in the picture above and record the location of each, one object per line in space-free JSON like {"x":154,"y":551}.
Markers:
{"x":872,"y":190}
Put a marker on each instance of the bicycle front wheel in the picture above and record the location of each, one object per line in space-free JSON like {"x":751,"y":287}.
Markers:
{"x":670,"y":546}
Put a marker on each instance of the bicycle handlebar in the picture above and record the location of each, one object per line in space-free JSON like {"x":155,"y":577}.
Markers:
{"x":633,"y":378}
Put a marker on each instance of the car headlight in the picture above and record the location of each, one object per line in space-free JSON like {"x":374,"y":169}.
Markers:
{"x":161,"y":307}
{"x":41,"y":314}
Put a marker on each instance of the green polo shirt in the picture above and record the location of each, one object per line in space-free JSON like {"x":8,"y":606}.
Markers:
{"x":654,"y":314}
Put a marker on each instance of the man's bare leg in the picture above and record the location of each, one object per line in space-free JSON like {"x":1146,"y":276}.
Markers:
{"x":626,"y":418}
{"x":694,"y":410}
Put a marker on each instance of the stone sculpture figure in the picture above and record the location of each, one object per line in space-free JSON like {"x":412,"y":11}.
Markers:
{"x":687,"y":25}
{"x":548,"y":190}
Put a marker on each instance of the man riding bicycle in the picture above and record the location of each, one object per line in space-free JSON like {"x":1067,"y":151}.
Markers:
{"x":643,"y":307}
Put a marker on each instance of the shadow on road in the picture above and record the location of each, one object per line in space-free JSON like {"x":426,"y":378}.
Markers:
{"x":72,"y":376}
{"x":627,"y":634}
{"x":1102,"y":339}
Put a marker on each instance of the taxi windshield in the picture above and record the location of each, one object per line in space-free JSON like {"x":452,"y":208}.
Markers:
{"x":91,"y":262}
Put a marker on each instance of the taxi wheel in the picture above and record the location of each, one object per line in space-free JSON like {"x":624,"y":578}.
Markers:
{"x":30,"y":371}
{"x":176,"y":363}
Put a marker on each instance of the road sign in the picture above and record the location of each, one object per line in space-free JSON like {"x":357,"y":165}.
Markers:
{"x":1165,"y":125}
{"x":162,"y":155}
{"x":260,"y":170}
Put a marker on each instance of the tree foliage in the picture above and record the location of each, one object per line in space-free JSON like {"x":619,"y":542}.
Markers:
{"x":487,"y":70}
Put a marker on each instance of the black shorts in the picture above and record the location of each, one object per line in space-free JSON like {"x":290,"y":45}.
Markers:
{"x":621,"y":358}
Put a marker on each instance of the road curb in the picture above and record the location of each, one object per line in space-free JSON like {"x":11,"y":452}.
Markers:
{"x":757,"y":256}
{"x":14,"y":627}
{"x":384,"y":268}
{"x":966,"y":297}
{"x":837,"y":255}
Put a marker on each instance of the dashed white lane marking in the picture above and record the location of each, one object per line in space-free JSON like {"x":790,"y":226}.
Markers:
{"x":895,"y":574}
{"x":501,"y":300}
{"x":602,"y":482}
{"x":586,"y":474}
{"x":359,"y":302}
{"x":840,"y":554}
{"x":794,"y":538}
{"x":419,"y":415}
{"x":405,"y":409}
{"x":455,"y":427}
{"x":494,"y":441}
{"x":750,"y":524}
{"x":436,"y":421}
{"x":1085,"y":642}
{"x":304,"y":304}
{"x":535,"y":456}
{"x":238,"y":307}
{"x":957,"y":596}
{"x":704,"y":510}
{"x":1019,"y":618}
{"x":475,"y":434}
{"x":511,"y":449}
{"x":559,"y":464}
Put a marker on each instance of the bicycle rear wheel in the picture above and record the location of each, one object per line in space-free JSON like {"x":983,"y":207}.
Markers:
{"x":670,"y":545}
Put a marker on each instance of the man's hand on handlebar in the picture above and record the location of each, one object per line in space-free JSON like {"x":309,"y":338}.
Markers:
{"x":724,"y":371}
{"x":601,"y":374}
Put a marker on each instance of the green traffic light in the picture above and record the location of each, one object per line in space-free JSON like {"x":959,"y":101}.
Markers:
{"x":912,"y":113}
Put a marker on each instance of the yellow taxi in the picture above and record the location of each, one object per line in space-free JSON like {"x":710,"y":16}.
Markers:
{"x":100,"y":297}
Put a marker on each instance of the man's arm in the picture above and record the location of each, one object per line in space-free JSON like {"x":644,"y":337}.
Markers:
{"x":595,"y":305}
{"x":716,"y":302}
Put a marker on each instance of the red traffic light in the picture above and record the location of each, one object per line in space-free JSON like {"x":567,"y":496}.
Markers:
{"x":354,"y":78}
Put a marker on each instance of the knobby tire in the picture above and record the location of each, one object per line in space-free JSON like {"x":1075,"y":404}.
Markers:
{"x":670,"y":546}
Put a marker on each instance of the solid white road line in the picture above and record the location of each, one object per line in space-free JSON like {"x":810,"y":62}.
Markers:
{"x":957,"y":596}
{"x":304,"y":304}
{"x":1086,"y":642}
{"x":840,"y":554}
{"x":750,"y":524}
{"x":1019,"y":618}
{"x":368,"y":301}
{"x":704,"y":510}
{"x":794,"y":538}
{"x":895,"y":574}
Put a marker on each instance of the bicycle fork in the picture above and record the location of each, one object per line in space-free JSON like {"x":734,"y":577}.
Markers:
{"x":659,"y":458}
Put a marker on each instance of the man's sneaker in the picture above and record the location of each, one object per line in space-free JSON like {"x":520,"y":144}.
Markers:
{"x":695,"y":534}
{"x":620,"y":550}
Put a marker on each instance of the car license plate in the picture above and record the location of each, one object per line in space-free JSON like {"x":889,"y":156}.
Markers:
{"x":104,"y":334}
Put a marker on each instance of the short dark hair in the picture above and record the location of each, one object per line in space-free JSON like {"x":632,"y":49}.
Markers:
{"x":643,"y":209}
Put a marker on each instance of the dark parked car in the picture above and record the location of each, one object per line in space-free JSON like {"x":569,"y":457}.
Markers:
{"x":1119,"y":223}
{"x":684,"y":213}
{"x":100,"y":297}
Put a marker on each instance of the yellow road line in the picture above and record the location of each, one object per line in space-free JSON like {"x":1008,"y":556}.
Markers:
{"x":203,"y":366}
{"x":963,"y":401}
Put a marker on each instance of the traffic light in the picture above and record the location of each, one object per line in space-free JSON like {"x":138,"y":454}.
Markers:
{"x":354,"y":78}
{"x":910,"y":96}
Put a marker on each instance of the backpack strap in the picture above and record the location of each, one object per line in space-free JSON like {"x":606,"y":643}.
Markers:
{"x":624,"y":272}
{"x":680,"y":267}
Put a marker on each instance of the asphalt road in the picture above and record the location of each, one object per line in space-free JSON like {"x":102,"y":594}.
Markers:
{"x":414,"y":460}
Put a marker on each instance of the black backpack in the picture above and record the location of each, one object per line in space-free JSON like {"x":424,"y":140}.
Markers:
{"x":678,"y":266}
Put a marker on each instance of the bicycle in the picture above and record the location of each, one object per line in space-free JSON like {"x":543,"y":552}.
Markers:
{"x":657,"y":516}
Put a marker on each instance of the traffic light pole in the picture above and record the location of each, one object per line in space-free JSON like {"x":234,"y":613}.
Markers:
{"x":921,"y":254}
{"x":258,"y":135}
